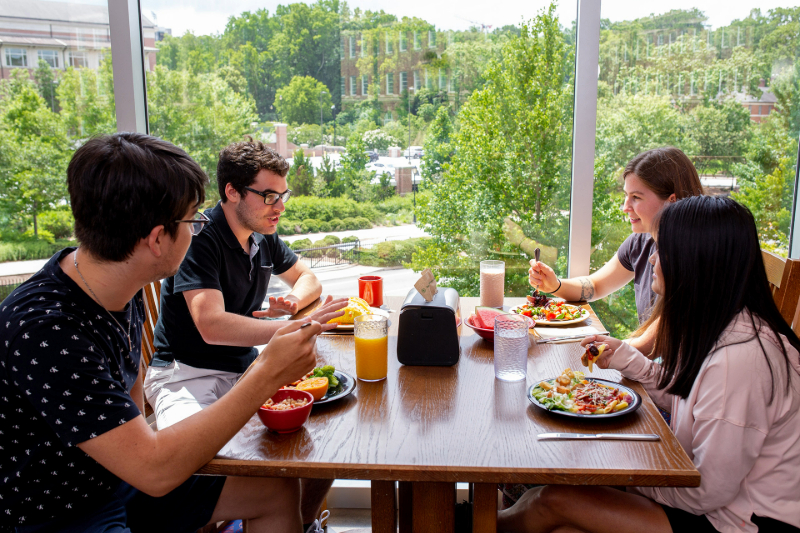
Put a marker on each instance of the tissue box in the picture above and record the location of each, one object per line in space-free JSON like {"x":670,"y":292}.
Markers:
{"x":427,"y":332}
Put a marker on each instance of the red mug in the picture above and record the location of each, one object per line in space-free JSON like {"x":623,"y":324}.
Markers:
{"x":370,"y":288}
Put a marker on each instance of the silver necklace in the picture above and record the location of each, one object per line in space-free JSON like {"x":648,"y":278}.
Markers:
{"x":130,"y":343}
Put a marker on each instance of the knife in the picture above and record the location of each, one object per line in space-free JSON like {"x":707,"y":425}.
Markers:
{"x":568,"y":337}
{"x":598,"y":436}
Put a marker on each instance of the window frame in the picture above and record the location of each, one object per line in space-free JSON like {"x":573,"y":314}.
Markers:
{"x":125,"y":18}
{"x":52,"y":53}
{"x":21,"y":53}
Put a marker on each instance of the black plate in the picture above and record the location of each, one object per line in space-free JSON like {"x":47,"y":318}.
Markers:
{"x":637,"y":401}
{"x":346,"y":386}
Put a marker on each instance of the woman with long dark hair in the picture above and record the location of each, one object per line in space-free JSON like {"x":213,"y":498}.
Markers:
{"x":730,"y":375}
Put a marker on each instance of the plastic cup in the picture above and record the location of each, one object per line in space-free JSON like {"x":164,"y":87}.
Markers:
{"x":372,"y":347}
{"x":511,"y":344}
{"x":370,"y":289}
{"x":493,"y":278}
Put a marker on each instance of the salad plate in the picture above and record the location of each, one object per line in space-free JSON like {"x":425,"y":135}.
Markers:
{"x":347,"y":385}
{"x":559,"y":405}
{"x":552,"y":309}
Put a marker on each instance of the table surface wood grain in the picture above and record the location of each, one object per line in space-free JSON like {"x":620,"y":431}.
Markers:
{"x":448,"y":424}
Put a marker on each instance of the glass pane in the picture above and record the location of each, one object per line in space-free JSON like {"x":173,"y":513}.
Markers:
{"x":448,"y":110}
{"x":48,"y":106}
{"x":720,"y":83}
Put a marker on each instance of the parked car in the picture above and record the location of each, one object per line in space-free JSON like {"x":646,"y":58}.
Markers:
{"x":413,"y":151}
{"x":381,"y":168}
{"x":372,"y":154}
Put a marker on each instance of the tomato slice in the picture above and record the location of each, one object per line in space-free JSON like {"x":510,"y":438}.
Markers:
{"x":551,"y":315}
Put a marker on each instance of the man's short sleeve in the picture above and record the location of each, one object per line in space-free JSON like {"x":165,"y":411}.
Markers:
{"x":627,"y":252}
{"x":67,"y":379}
{"x":201,"y":266}
{"x":283,"y":258}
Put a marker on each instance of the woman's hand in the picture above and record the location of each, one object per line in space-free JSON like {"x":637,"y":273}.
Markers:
{"x":542,"y":276}
{"x":612,"y":345}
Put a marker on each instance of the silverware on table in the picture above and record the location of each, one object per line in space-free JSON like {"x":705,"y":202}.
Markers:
{"x":542,"y":340}
{"x":598,"y":436}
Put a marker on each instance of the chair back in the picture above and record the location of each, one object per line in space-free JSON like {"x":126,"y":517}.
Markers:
{"x":152,"y":300}
{"x":784,"y":281}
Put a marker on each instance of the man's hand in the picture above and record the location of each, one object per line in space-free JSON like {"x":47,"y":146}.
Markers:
{"x":279,"y":306}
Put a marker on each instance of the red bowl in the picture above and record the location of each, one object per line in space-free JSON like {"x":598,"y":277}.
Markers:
{"x":488,"y":333}
{"x":291,"y":419}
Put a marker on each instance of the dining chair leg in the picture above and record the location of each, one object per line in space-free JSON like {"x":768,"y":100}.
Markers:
{"x":384,"y":507}
{"x":405,"y":518}
{"x":434,"y":507}
{"x":484,"y":508}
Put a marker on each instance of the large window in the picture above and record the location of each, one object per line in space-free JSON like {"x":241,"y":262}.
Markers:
{"x":389,"y":44}
{"x":390,"y":83}
{"x":16,"y":57}
{"x":717,"y":88}
{"x":403,"y":44}
{"x":403,"y":81}
{"x":365,"y":85}
{"x":353,"y":86}
{"x":50,"y":57}
{"x":69,"y":106}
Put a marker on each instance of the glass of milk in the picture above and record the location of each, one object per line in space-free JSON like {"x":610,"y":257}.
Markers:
{"x":493,"y":280}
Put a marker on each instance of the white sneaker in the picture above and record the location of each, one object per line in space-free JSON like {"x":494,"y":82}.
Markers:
{"x":317,"y":526}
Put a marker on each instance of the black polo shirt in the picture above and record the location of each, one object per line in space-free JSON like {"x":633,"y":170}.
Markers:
{"x":66,"y":370}
{"x":216,"y":260}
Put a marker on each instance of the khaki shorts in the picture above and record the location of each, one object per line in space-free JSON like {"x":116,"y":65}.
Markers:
{"x":178,"y":391}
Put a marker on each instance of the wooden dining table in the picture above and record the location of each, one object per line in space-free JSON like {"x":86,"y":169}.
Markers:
{"x":428,"y":427}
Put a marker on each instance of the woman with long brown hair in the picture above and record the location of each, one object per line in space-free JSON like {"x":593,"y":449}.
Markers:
{"x":652,"y":179}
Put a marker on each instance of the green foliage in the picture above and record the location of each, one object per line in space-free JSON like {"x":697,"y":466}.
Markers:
{"x":302,"y":100}
{"x":300,"y":244}
{"x":301,"y":176}
{"x":350,"y":238}
{"x":720,"y":128}
{"x":390,"y":253}
{"x":437,"y":150}
{"x":29,"y":250}
{"x":328,"y":209}
{"x":304,"y":134}
{"x":198,"y":112}
{"x":331,"y":239}
{"x":511,"y":160}
{"x":787,"y":91}
{"x":379,"y":140}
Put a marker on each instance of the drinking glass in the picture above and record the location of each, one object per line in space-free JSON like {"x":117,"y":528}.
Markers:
{"x":493,"y":277}
{"x":372,"y":347}
{"x":510,"y":347}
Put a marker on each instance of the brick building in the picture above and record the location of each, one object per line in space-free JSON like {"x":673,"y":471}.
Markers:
{"x":416,"y":54}
{"x":61,"y":34}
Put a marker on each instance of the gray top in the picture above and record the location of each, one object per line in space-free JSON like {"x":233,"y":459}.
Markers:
{"x":634,"y":254}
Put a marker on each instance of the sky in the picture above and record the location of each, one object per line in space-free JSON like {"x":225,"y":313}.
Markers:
{"x":204,"y":17}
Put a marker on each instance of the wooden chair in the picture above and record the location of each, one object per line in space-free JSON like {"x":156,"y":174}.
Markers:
{"x":784,"y":280}
{"x":152,"y":299}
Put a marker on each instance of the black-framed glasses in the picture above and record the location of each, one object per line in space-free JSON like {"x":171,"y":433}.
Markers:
{"x":272,"y":197}
{"x":197,"y":223}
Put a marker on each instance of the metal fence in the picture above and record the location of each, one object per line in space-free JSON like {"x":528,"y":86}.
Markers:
{"x":9,"y":283}
{"x":335,"y":254}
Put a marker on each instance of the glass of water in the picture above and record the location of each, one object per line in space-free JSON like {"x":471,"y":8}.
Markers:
{"x":510,"y":347}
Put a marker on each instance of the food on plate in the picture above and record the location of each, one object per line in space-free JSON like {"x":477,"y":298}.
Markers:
{"x":572,"y":392}
{"x":316,"y":386}
{"x":537,"y":299}
{"x":592,"y":354}
{"x":285,"y":405}
{"x":484,"y":316}
{"x":552,"y":312}
{"x":355,"y":307}
{"x":326,"y":372}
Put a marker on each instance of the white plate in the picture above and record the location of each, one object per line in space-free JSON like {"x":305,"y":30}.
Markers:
{"x":375,"y":311}
{"x":584,"y":316}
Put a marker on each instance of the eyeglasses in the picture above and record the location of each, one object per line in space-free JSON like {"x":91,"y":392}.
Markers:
{"x":197,"y":223}
{"x":272,"y":197}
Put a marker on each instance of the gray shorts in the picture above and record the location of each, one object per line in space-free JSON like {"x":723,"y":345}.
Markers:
{"x":178,"y":391}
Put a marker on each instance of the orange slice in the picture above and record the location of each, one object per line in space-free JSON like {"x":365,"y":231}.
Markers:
{"x":316,"y":386}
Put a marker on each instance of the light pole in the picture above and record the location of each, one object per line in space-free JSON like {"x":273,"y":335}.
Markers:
{"x":414,"y":177}
{"x":333,"y":116}
{"x":409,"y":89}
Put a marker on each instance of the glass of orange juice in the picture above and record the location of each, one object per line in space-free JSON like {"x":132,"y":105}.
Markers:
{"x":372,"y":347}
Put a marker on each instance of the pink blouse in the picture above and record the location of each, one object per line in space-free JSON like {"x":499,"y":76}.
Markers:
{"x":746,"y":449}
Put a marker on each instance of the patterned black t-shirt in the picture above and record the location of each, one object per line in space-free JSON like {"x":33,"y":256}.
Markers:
{"x":65,"y":376}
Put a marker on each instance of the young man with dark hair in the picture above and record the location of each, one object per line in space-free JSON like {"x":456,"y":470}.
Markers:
{"x":210,"y":309}
{"x":77,"y":452}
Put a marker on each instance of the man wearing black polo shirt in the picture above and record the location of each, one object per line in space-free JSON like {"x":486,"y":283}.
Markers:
{"x":209,"y":320}
{"x":77,"y":455}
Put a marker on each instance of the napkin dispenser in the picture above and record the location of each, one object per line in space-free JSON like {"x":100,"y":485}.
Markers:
{"x":427,"y":333}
